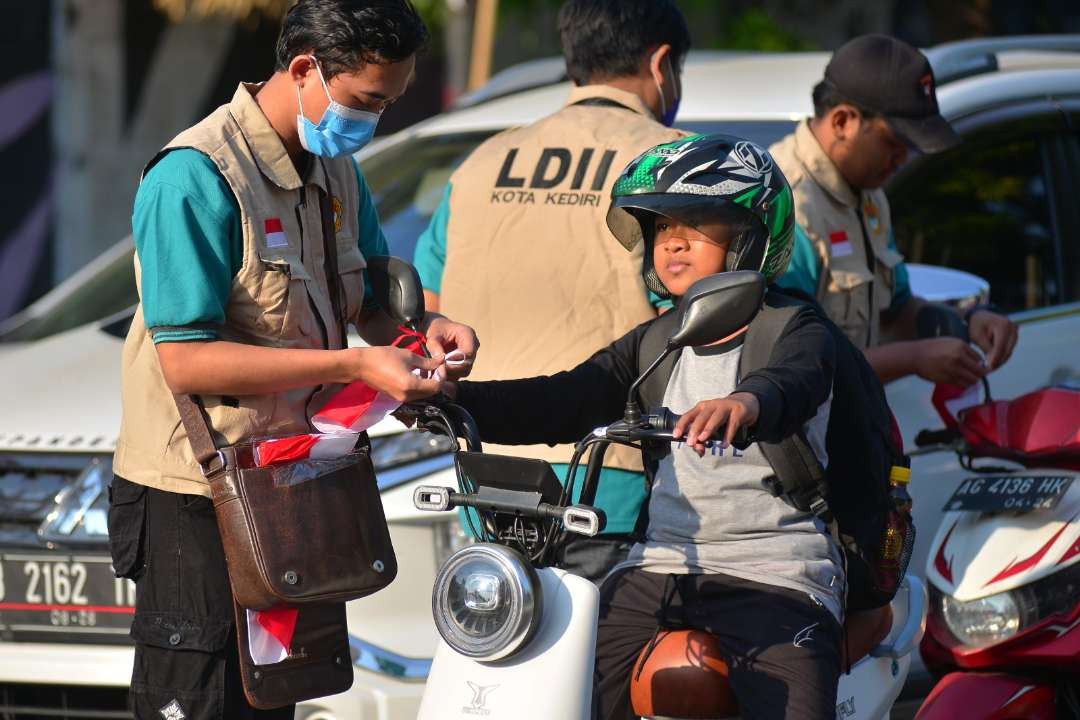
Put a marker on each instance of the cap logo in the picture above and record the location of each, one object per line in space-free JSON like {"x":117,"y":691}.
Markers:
{"x":927,"y":82}
{"x":751,"y":157}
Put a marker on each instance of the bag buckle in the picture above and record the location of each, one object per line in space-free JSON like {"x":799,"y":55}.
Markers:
{"x":820,"y":508}
{"x":207,"y":471}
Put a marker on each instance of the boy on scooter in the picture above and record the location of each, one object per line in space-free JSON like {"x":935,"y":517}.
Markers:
{"x":720,"y":552}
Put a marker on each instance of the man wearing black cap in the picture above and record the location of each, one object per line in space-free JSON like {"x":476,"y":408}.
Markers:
{"x":875,"y":102}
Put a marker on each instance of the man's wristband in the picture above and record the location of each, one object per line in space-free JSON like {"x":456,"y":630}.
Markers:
{"x":991,"y":307}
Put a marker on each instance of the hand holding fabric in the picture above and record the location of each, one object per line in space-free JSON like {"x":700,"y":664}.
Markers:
{"x":995,"y":334}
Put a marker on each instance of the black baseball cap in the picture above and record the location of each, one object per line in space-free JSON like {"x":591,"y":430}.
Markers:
{"x":887,"y":76}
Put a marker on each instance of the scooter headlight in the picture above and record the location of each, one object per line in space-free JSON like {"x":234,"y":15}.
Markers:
{"x":486,"y":602}
{"x":984,"y":621}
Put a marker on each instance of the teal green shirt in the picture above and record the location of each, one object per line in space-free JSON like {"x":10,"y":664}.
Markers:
{"x":804,"y":271}
{"x":186,"y":224}
{"x":620,"y":494}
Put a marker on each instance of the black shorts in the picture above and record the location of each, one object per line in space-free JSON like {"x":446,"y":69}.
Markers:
{"x":782,"y":649}
{"x":593,"y":557}
{"x":186,"y":658}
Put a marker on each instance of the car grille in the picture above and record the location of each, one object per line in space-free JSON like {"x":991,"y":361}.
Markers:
{"x":66,"y":702}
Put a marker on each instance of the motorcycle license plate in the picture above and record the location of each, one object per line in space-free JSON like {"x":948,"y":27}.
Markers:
{"x":63,"y":598}
{"x":998,"y":493}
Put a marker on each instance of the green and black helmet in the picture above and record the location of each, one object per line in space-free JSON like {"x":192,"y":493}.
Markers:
{"x":705,"y":178}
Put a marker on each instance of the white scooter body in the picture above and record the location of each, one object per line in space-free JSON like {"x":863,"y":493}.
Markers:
{"x":552,"y":676}
{"x":549,"y":678}
{"x":978,"y":554}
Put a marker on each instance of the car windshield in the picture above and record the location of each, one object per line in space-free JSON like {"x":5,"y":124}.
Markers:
{"x":407,"y":180}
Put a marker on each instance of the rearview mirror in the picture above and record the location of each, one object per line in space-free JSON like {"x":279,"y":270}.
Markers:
{"x":716,"y":306}
{"x":396,"y":287}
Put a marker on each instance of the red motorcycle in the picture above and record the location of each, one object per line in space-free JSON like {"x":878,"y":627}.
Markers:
{"x":1003,"y":627}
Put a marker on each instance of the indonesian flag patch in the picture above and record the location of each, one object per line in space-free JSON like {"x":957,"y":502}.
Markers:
{"x":275,"y":234}
{"x":839,"y":244}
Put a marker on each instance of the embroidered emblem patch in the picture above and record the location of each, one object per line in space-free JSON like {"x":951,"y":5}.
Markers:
{"x":839,"y":245}
{"x":335,"y":203}
{"x":275,"y":234}
{"x":873,"y":218}
{"x":173,"y":711}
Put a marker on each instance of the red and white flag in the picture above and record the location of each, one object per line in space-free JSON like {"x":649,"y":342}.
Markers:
{"x":270,"y":633}
{"x":839,"y":244}
{"x":350,"y":411}
{"x":275,"y":233}
{"x":312,"y":446}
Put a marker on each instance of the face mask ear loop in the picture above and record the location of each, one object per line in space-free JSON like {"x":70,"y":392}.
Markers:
{"x":318,"y":68}
{"x":300,"y":102}
{"x":663,"y":102}
{"x":674,"y":85}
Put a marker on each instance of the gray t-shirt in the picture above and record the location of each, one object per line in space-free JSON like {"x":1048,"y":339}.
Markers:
{"x":713,"y":515}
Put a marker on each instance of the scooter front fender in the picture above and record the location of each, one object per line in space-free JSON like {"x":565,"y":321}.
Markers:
{"x":988,"y":696}
{"x":551,"y":677}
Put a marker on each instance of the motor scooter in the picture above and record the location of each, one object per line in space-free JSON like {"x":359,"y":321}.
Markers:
{"x":1004,"y":568}
{"x":518,"y":635}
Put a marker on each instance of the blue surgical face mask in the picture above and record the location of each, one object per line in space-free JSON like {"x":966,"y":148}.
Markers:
{"x":341,"y":130}
{"x":667,"y":114}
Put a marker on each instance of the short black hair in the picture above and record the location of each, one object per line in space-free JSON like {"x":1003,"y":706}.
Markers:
{"x":345,"y":34}
{"x":604,"y":39}
{"x":827,"y":96}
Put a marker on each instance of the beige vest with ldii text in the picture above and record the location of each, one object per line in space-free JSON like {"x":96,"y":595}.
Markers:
{"x":279,"y":298}
{"x":530,"y":262}
{"x":850,"y":233}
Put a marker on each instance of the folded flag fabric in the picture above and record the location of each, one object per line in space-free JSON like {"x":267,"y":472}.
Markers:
{"x":312,"y":446}
{"x":270,"y":633}
{"x":358,"y":406}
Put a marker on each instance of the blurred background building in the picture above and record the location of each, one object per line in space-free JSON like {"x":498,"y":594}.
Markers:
{"x":92,"y":88}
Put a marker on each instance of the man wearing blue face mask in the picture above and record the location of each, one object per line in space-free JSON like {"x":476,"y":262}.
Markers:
{"x":251,"y":231}
{"x":520,"y":249}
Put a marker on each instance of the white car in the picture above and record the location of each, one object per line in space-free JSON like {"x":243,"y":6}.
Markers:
{"x":999,"y":206}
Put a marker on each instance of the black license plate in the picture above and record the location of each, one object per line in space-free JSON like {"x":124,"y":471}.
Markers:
{"x":999,"y":493}
{"x":63,"y":598}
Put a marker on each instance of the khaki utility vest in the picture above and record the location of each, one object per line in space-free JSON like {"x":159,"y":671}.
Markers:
{"x":530,"y":262}
{"x":850,"y":233}
{"x":280,"y":297}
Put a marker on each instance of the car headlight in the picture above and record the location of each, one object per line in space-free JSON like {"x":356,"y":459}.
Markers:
{"x":81,"y":508}
{"x":984,"y":621}
{"x":487,"y":602}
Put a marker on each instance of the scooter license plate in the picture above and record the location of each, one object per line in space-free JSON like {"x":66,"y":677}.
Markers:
{"x":1009,"y":493}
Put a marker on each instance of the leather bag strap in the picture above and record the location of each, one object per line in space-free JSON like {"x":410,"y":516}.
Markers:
{"x":211,"y":462}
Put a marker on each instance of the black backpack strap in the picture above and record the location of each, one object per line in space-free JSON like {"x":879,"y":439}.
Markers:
{"x":797,"y":474}
{"x":653,"y":342}
{"x":651,"y":395}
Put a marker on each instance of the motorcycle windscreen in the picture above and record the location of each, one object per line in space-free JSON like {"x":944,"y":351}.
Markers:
{"x":1042,"y":423}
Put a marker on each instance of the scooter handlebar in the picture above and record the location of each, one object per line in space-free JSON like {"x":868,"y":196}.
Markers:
{"x":658,"y":425}
{"x":579,"y":519}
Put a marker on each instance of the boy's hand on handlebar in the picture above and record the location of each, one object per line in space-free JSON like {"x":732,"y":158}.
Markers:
{"x":948,"y":360}
{"x":700,"y":422}
{"x":995,"y":334}
{"x":390,"y":370}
